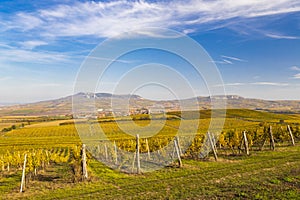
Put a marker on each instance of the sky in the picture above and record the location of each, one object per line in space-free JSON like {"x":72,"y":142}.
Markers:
{"x":255,"y":44}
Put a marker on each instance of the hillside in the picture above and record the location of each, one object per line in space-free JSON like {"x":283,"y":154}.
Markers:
{"x":63,"y":106}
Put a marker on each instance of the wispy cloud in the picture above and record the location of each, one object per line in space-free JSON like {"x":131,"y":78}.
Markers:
{"x":13,"y":54}
{"x":234,"y":84}
{"x":112,"y":60}
{"x":26,"y":54}
{"x":26,"y":21}
{"x":275,"y":36}
{"x":295,"y":68}
{"x":32,"y":44}
{"x":231,"y":84}
{"x":218,"y":62}
{"x":3,"y":45}
{"x":105,"y":19}
{"x":228,"y":60}
{"x":277,"y":84}
{"x":270,"y":84}
{"x":296,"y":76}
{"x":48,"y":85}
{"x":233,"y":58}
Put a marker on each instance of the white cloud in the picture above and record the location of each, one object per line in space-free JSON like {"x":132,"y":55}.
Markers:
{"x":106,"y":19}
{"x":232,"y":84}
{"x":218,"y":62}
{"x":275,"y":36}
{"x":255,"y":83}
{"x":270,"y":84}
{"x":295,"y":68}
{"x":32,"y":44}
{"x":296,"y":76}
{"x":228,"y":60}
{"x":3,"y":45}
{"x":292,"y":6}
{"x":48,"y":85}
{"x":233,"y":58}
{"x":26,"y":21}
{"x":223,"y":61}
{"x":23,"y":55}
{"x":112,"y":60}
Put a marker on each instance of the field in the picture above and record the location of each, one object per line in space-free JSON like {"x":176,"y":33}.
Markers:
{"x":264,"y":174}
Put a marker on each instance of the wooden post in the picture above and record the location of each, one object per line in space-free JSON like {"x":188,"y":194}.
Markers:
{"x":214,"y":142}
{"x":272,"y":143}
{"x":242,"y":144}
{"x":173,"y":152}
{"x":98,"y":149}
{"x":116,"y":153}
{"x":23,"y":174}
{"x":291,"y":135}
{"x":264,"y":142}
{"x":246,"y":145}
{"x":178,"y":144}
{"x":105,"y":151}
{"x":148,"y":149}
{"x":212,"y":146}
{"x":138,"y":165}
{"x":84,"y":166}
{"x":177,"y":153}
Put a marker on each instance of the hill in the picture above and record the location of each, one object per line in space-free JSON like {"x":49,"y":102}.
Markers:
{"x":63,"y":106}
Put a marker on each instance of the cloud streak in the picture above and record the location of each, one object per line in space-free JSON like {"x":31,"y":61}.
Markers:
{"x":23,"y":56}
{"x":32,"y":44}
{"x":106,"y":19}
{"x":228,"y":60}
{"x":270,"y":84}
{"x":275,"y":36}
{"x":233,"y":58}
{"x":277,"y":84}
{"x":296,"y":76}
{"x":295,"y":68}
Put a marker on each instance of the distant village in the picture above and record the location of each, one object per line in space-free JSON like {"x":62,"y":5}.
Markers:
{"x":109,"y":112}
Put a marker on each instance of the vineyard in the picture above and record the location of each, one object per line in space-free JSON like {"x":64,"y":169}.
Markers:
{"x":57,"y":146}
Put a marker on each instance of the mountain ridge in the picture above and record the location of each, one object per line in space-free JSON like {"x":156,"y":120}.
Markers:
{"x":63,"y":106}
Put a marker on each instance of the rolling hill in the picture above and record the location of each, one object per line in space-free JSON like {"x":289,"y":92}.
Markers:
{"x":102,"y":102}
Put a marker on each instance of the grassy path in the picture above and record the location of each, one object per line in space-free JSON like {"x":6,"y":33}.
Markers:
{"x":263,"y":175}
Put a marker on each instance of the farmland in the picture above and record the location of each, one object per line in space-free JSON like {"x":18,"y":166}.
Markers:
{"x":264,"y":174}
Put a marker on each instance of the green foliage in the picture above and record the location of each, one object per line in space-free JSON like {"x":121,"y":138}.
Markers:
{"x":296,"y":132}
{"x":37,"y":159}
{"x":141,"y":117}
{"x":9,"y":128}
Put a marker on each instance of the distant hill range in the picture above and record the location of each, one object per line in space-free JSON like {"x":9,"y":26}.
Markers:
{"x":102,"y":103}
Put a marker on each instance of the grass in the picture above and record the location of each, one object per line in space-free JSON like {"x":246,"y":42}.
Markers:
{"x":9,"y":181}
{"x":263,"y":175}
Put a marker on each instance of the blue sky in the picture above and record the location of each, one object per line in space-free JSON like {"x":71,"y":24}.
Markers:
{"x":254,"y":43}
